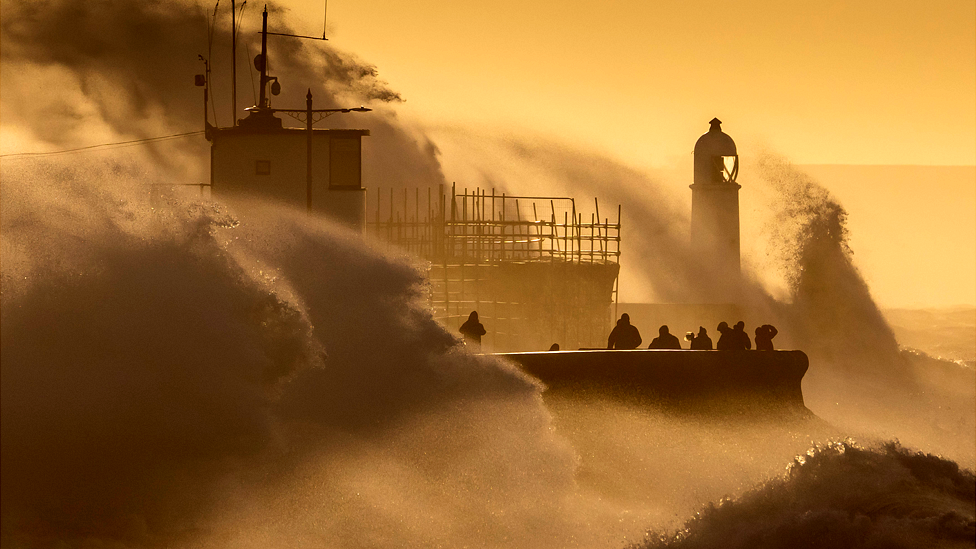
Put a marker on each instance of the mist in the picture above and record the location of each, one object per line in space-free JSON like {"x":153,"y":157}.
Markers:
{"x":180,"y":372}
{"x":799,"y":274}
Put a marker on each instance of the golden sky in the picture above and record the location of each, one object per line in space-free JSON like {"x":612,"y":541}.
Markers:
{"x":823,"y":83}
{"x":839,"y":82}
{"x":887,"y":82}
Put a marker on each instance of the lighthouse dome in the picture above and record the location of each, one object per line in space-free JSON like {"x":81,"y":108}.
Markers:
{"x":710,"y":152}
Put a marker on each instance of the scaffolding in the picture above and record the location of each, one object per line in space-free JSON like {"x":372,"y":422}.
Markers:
{"x":533,"y":267}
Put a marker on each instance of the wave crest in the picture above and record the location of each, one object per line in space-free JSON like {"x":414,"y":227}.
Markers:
{"x":843,"y":495}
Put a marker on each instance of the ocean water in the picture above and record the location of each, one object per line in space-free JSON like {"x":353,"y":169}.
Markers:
{"x":948,"y":333}
{"x":842,"y":495}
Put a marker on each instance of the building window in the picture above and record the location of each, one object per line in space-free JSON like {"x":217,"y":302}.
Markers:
{"x":262,"y":167}
{"x":345,"y":163}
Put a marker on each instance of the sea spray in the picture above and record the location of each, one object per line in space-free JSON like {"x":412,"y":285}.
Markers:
{"x":857,"y":379}
{"x":831,"y":309}
{"x":842,"y":495}
{"x":217,"y":398}
{"x":140,"y":364}
{"x":204,"y":375}
{"x":81,"y":74}
{"x":185,"y":376}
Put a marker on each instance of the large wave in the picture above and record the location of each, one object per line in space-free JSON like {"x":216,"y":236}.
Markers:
{"x":184,"y":375}
{"x":842,"y":495}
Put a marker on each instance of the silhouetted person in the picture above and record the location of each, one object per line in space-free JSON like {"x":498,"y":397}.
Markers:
{"x":624,"y":335}
{"x":701,"y":342}
{"x":764,"y":337}
{"x":555,"y":347}
{"x":726,"y":339}
{"x":742,"y":341}
{"x":472,"y":330}
{"x":664,"y":340}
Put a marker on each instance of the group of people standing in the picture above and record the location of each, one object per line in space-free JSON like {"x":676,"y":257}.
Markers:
{"x":626,"y":336}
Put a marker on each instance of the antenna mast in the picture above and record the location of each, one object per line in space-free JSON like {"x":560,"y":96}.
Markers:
{"x":233,"y":63}
{"x":263,"y":102}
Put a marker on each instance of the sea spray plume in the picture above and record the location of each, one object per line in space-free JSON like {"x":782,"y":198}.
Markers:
{"x":344,"y":75}
{"x":842,"y":495}
{"x":832,"y":310}
{"x":385,"y":350}
{"x":858,"y":379}
{"x":77,"y":74}
{"x":140,"y":364}
{"x":655,"y":232}
{"x":164,"y":385}
{"x":655,"y":224}
{"x":148,"y":54}
{"x":74,"y":71}
{"x":457,"y":445}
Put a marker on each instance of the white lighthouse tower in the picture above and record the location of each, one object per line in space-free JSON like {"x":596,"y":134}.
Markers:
{"x":715,"y":209}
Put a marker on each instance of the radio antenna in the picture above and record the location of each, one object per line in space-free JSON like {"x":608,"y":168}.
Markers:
{"x":233,"y":63}
{"x":325,"y":15}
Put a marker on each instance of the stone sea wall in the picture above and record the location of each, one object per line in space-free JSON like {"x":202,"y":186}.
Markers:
{"x":737,"y":382}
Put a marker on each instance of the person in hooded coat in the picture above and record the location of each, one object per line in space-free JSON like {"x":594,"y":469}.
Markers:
{"x":726,"y":340}
{"x":742,"y":341}
{"x":624,"y":335}
{"x":665,"y":340}
{"x":472,"y":330}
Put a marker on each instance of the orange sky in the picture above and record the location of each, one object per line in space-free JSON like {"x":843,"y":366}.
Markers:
{"x":829,"y":82}
{"x":840,"y":82}
{"x":825,"y":82}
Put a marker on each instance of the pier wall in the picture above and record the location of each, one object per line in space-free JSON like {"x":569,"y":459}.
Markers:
{"x":747,"y":382}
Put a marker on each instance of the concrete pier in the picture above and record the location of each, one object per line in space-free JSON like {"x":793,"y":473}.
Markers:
{"x":724,"y":382}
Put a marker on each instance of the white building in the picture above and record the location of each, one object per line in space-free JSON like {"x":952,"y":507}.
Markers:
{"x":260,"y":157}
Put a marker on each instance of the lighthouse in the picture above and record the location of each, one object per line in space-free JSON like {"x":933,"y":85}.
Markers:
{"x":715,"y":209}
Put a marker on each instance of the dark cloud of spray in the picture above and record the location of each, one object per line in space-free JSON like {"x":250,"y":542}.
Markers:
{"x":137,"y":357}
{"x":182,"y":376}
{"x":124,"y":70}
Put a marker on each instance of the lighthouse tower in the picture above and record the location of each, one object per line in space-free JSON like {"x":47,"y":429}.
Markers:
{"x":715,"y":208}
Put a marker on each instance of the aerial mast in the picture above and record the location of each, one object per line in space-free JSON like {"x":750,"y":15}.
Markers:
{"x":259,"y":139}
{"x":263,"y":101}
{"x":233,"y":62}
